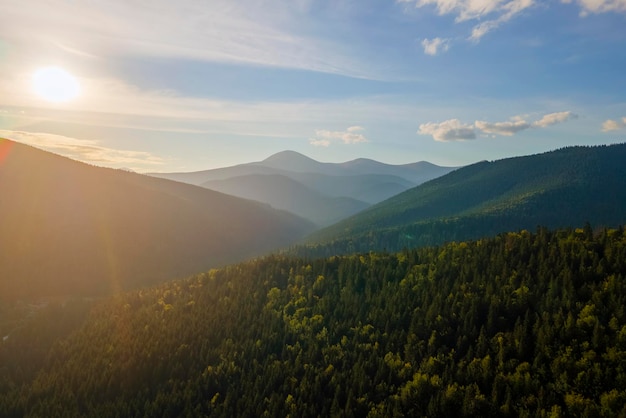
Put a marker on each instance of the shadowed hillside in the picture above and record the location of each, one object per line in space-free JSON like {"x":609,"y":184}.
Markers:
{"x":70,"y":228}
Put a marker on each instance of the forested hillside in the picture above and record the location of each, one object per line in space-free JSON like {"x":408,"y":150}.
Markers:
{"x":557,"y":189}
{"x":523,"y":324}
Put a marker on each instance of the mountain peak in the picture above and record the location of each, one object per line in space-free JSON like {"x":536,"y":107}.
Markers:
{"x":287,"y":155}
{"x":291,"y":161}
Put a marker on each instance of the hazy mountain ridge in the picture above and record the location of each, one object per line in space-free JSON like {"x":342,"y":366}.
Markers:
{"x":290,"y":162}
{"x":70,"y":228}
{"x":288,"y":194}
{"x":361,"y":180}
{"x":560,"y":188}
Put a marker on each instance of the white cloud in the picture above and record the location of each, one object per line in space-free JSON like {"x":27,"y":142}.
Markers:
{"x":554,"y":118}
{"x":482,"y":29}
{"x":454,"y":129}
{"x":351,"y":135}
{"x":496,"y":11}
{"x":435,"y":45}
{"x":509,"y":10}
{"x":502,"y":128}
{"x":449,"y":130}
{"x":613,"y":125}
{"x":464,"y":9}
{"x":491,"y":14}
{"x":85,"y":150}
{"x":319,"y":142}
{"x":600,"y":6}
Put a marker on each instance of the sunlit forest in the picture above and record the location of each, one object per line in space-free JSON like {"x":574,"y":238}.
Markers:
{"x":521,"y":324}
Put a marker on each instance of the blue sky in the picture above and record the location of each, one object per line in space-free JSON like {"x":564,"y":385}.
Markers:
{"x":190,"y":85}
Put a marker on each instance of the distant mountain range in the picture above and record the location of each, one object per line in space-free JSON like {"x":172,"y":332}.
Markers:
{"x":321,"y":192}
{"x":70,"y":228}
{"x":563,"y":188}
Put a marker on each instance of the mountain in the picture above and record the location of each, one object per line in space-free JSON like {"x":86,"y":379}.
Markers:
{"x":566,"y":187}
{"x":301,"y":193}
{"x":70,"y":228}
{"x":294,"y":161}
{"x":284,"y":193}
{"x":359,"y":180}
{"x":518,"y":325}
{"x":290,"y":162}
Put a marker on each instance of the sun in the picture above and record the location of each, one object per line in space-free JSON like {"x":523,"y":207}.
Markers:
{"x":54,"y":84}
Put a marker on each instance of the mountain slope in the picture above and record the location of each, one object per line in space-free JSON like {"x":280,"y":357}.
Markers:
{"x":70,"y":228}
{"x":284,"y":193}
{"x":570,"y":186}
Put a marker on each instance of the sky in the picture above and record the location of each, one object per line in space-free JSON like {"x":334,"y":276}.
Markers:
{"x":187,"y":85}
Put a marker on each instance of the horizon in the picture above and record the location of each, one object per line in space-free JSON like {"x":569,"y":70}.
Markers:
{"x":192,"y":86}
{"x":147,"y":172}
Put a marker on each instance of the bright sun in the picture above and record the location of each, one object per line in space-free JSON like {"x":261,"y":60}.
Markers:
{"x":54,"y":84}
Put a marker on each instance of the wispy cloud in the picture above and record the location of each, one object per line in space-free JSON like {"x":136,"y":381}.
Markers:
{"x":113,"y":103}
{"x":455,"y":130}
{"x":245,"y":32}
{"x":599,"y":6}
{"x":506,"y":13}
{"x":492,"y":14}
{"x":109,"y":101}
{"x":613,"y":125}
{"x":464,"y":9}
{"x":435,"y":46}
{"x":554,"y":118}
{"x":317,"y":142}
{"x":496,"y":12}
{"x":352,"y":135}
{"x":88,"y":151}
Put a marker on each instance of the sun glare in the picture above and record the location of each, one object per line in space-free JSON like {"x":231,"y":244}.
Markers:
{"x":54,"y":84}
